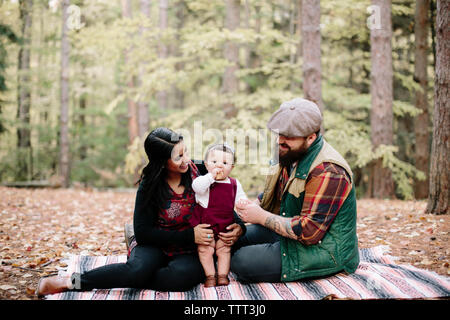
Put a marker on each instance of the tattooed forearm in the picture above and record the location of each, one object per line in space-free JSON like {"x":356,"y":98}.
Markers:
{"x":280,"y":225}
{"x":273,"y":224}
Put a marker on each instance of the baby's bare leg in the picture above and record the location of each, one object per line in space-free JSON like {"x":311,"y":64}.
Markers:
{"x":223,"y":253}
{"x":205,"y":254}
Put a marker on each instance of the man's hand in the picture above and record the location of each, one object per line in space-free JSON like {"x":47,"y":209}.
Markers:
{"x":250,"y":212}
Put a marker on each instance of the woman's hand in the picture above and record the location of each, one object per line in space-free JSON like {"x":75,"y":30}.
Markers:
{"x":203,"y":234}
{"x":230,"y":237}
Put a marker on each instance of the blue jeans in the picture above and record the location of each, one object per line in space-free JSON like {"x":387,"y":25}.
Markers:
{"x":257,"y":256}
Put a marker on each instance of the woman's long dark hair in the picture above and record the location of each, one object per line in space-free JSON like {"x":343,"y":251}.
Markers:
{"x":158,"y":146}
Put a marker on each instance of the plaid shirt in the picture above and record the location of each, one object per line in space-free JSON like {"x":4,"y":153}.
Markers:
{"x":326,"y":189}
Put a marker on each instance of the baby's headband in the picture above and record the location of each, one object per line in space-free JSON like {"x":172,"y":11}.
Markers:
{"x":225,"y":145}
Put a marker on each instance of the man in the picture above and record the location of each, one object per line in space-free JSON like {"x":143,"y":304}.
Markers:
{"x":304,"y":225}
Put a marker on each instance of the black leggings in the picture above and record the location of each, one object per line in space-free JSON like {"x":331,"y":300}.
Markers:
{"x":147,"y":267}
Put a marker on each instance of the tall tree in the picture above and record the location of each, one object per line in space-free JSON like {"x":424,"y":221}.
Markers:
{"x":298,"y":29}
{"x":295,"y":31}
{"x":24,"y":160}
{"x":133,"y":127}
{"x":421,"y":125}
{"x":438,"y":199}
{"x":163,"y":50}
{"x":381,"y":116}
{"x":180,"y":13}
{"x":64,"y":157}
{"x":312,"y":70}
{"x":143,"y":112}
{"x":230,"y":83}
{"x":8,"y":33}
{"x":252,"y":58}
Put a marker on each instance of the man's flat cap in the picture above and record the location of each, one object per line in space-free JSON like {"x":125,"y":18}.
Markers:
{"x":296,"y":118}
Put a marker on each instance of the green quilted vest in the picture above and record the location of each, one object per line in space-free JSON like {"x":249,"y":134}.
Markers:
{"x":338,"y":249}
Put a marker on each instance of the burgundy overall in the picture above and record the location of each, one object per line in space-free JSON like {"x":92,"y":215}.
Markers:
{"x":219,"y":213}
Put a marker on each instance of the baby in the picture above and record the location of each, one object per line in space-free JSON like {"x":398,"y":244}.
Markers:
{"x":216,"y":194}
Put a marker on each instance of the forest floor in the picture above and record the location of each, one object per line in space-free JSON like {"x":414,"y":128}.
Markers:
{"x":40,"y":228}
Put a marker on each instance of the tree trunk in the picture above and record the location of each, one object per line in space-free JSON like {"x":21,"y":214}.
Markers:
{"x":422,"y":121}
{"x":298,"y":30}
{"x":432,"y":18}
{"x":24,"y":93}
{"x":438,"y":199}
{"x":163,"y":50}
{"x":230,"y":84}
{"x":133,"y":127}
{"x":255,"y":58}
{"x":178,"y":94}
{"x":143,"y":106}
{"x":252,"y":58}
{"x":247,"y":47}
{"x":292,"y":22}
{"x":294,"y":29}
{"x":381,"y":117}
{"x":82,"y":118}
{"x":64,"y":165}
{"x":41,"y":77}
{"x":312,"y":70}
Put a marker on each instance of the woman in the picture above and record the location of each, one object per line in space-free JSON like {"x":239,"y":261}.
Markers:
{"x":163,"y":256}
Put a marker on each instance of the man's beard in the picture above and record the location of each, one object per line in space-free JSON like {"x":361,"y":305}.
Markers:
{"x":292,"y":155}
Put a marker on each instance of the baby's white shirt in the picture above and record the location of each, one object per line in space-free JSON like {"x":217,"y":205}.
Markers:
{"x":201,"y":187}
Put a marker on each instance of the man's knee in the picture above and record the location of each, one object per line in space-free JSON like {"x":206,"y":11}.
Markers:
{"x":258,"y":263}
{"x":240,"y":263}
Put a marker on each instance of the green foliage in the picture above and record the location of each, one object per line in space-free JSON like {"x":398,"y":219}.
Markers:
{"x":348,"y":130}
{"x":403,"y":172}
{"x":270,"y":72}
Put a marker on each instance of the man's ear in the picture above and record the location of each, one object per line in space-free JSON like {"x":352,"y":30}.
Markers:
{"x":310,"y":139}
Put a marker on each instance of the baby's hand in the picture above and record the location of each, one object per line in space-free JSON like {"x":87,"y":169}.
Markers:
{"x":215,"y":172}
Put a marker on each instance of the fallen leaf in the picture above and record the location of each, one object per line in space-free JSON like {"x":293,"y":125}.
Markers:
{"x":7,"y":287}
{"x":411,"y":235}
{"x":426,"y":262}
{"x":30,"y":291}
{"x":42,"y":260}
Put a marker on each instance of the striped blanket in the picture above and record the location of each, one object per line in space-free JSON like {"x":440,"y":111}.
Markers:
{"x":377,"y":277}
